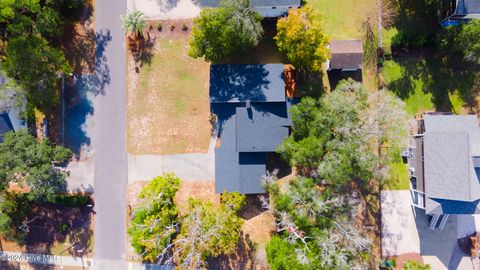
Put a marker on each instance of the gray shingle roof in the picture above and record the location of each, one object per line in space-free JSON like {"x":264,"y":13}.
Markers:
{"x":261,"y":128}
{"x":450,"y":144}
{"x":239,"y":167}
{"x":239,"y":83}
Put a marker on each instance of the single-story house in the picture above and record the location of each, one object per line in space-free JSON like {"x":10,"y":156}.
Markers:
{"x":444,"y":166}
{"x":266,"y":8}
{"x":252,"y":114}
{"x":346,"y":58}
{"x":274,"y":8}
{"x":458,"y":10}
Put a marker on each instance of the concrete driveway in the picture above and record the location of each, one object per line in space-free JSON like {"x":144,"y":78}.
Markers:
{"x":170,"y":9}
{"x":405,"y":230}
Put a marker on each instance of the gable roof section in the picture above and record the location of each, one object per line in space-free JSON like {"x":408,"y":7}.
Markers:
{"x":450,"y":147}
{"x":239,"y":167}
{"x":239,"y":83}
{"x":5,"y":125}
{"x":262,"y":127}
{"x":346,"y":54}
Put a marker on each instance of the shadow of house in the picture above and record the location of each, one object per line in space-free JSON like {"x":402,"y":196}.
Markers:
{"x":345,"y":62}
{"x":251,"y":109}
{"x":441,"y":244}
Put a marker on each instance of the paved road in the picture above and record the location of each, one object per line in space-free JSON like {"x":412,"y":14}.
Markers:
{"x":110,"y":178}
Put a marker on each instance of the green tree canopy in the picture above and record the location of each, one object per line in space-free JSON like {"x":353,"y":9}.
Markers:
{"x":467,"y":40}
{"x":155,"y":221}
{"x":134,"y":22}
{"x":316,"y":228}
{"x":350,"y":134}
{"x":161,"y":235}
{"x":26,"y":161}
{"x":206,"y":231}
{"x":218,"y":32}
{"x":301,"y":37}
{"x":31,"y":47}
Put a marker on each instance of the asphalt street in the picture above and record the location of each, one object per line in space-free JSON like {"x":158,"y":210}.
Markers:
{"x":110,"y":173}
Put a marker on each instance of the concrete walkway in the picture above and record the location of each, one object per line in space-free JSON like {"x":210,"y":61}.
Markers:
{"x":69,"y":261}
{"x":45,"y":259}
{"x":405,"y":229}
{"x":196,"y":167}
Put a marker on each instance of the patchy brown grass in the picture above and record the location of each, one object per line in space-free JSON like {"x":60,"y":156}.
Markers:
{"x":203,"y":190}
{"x":168,"y":109}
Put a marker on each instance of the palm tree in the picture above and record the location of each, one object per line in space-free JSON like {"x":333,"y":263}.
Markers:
{"x":133,"y":23}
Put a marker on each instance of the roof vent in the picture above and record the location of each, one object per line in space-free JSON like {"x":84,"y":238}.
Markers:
{"x":248,"y":104}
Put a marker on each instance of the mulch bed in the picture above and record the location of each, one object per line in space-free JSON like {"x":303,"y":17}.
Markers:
{"x":402,"y":259}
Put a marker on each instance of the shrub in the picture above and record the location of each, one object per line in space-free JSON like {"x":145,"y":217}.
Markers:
{"x":184,"y":27}
{"x":69,"y":200}
{"x":408,"y":40}
{"x":159,"y":26}
{"x":172,"y":26}
{"x":62,"y":227}
{"x":233,"y":200}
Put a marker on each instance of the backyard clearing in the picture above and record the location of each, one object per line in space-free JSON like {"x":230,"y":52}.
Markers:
{"x":343,"y":19}
{"x":168,"y":110}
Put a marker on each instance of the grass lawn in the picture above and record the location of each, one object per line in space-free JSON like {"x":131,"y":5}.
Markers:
{"x":426,"y":83}
{"x":418,"y":101}
{"x":168,"y":109}
{"x":344,"y":18}
{"x":399,"y":178}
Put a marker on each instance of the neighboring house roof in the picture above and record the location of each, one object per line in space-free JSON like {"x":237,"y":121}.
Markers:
{"x":266,"y":8}
{"x":274,"y":8}
{"x":465,"y":7}
{"x":346,"y":54}
{"x":247,"y":134}
{"x":5,"y":125}
{"x":239,"y":83}
{"x":450,"y":146}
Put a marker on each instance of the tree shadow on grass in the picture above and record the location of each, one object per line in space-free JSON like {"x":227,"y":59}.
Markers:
{"x":440,"y":75}
{"x":142,"y":49}
{"x":59,"y":224}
